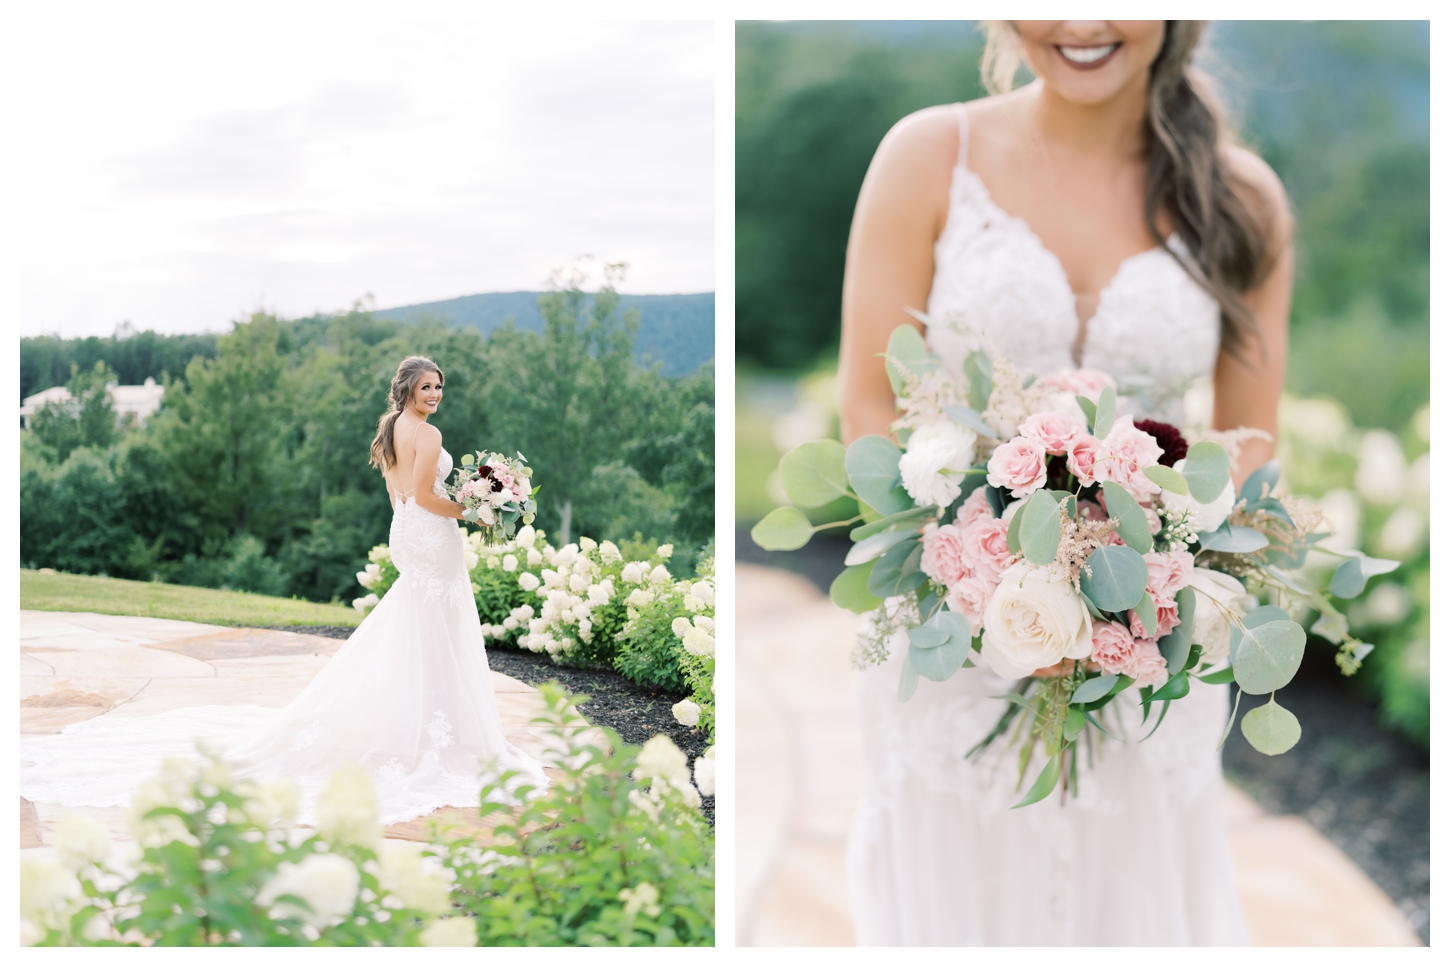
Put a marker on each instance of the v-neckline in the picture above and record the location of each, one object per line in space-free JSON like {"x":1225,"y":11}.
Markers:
{"x":1084,"y":326}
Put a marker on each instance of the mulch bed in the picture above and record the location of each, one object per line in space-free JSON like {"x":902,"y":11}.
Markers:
{"x":636,"y":712}
{"x":1364,"y":786}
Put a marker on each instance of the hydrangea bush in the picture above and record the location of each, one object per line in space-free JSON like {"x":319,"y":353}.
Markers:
{"x":615,"y":852}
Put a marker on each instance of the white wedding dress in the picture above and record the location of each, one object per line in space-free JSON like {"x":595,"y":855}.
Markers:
{"x":1141,"y":857}
{"x":409,"y":697}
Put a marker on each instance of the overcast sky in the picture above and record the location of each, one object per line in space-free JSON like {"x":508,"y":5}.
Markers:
{"x":180,"y":178}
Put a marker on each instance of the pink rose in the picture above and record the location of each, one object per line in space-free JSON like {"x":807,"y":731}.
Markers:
{"x":1123,"y":454}
{"x":984,"y":546}
{"x":1020,"y":465}
{"x":942,"y":559}
{"x":974,"y":507}
{"x":968,"y":598}
{"x":1168,"y":573}
{"x":1167,"y":621}
{"x":1149,"y":667}
{"x":1082,"y":454}
{"x":1084,"y":382}
{"x":1056,"y":431}
{"x":1113,"y":647}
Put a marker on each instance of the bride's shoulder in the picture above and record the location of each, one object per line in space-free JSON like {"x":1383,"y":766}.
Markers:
{"x":929,"y":141}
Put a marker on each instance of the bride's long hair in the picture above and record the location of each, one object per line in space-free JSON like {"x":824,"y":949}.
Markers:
{"x":405,"y":381}
{"x":1220,"y":218}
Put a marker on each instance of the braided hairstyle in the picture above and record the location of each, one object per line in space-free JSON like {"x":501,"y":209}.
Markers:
{"x":405,"y":381}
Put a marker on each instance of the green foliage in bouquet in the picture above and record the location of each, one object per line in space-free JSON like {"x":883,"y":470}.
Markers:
{"x":615,"y":853}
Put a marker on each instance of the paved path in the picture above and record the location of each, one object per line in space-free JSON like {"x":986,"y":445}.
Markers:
{"x":77,"y":666}
{"x":799,"y":775}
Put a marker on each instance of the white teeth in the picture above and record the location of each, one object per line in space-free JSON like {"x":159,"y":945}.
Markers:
{"x":1086,"y":55}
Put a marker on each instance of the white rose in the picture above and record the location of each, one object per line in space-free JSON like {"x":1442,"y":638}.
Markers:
{"x":510,"y":563}
{"x":450,"y":932}
{"x":1215,"y":595}
{"x":1034,"y":620}
{"x":1206,"y":517}
{"x":936,"y":459}
{"x":528,"y":581}
{"x":686,"y":713}
{"x":328,"y":882}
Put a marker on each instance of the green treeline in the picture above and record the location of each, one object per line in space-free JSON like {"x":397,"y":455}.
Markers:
{"x":254,"y":475}
{"x":1340,"y":109}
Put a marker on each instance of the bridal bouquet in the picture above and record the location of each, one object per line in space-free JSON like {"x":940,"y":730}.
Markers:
{"x":495,"y":490}
{"x":1026,"y":523}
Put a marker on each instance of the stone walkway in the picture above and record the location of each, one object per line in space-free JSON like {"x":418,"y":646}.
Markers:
{"x":799,"y":775}
{"x":76,"y":666}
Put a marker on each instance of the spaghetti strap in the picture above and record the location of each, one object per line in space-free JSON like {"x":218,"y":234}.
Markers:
{"x":962,"y":132}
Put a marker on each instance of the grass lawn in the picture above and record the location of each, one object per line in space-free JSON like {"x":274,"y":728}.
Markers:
{"x":152,"y":599}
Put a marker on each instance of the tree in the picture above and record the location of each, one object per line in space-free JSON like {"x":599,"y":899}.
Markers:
{"x":87,"y":419}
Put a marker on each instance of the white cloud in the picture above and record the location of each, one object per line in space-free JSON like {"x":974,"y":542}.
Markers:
{"x":179,"y":178}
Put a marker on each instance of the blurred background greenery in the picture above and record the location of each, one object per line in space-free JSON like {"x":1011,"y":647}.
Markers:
{"x":1341,"y":111}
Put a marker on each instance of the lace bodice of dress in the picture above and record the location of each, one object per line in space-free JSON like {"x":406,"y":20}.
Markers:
{"x":425,"y":546}
{"x":1155,"y":329}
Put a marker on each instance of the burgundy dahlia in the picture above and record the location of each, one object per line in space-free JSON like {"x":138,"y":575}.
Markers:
{"x":1175,"y":448}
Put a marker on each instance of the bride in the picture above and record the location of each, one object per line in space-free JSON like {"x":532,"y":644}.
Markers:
{"x":1095,"y":218}
{"x":408,"y":697}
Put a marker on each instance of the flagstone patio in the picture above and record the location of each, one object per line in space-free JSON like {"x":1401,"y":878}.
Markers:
{"x":799,"y":775}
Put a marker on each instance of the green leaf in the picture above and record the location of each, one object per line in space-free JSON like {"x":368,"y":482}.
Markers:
{"x":970,"y":419}
{"x":1132,"y":522}
{"x":915,"y":516}
{"x":1271,"y":728}
{"x":1147,"y":613}
{"x":1273,"y":506}
{"x":941,"y":661}
{"x":906,"y":347}
{"x":894,"y":573}
{"x":876,"y":545}
{"x":466,"y":459}
{"x":1089,"y":409}
{"x":1072,"y":727}
{"x":1233,"y":539}
{"x":1261,"y":481}
{"x":910,"y":677}
{"x":1206,"y":468}
{"x":1167,"y":478}
{"x":928,"y":636}
{"x":1259,"y":616}
{"x":1221,"y":677}
{"x":1107,"y":412}
{"x":783,"y":529}
{"x":1268,"y":656}
{"x":872,"y":465}
{"x":814,"y":473}
{"x":1040,"y":529}
{"x":849,"y":590}
{"x":1175,"y":645}
{"x":1119,"y":578}
{"x":1014,"y":532}
{"x":1175,"y":688}
{"x":978,"y":369}
{"x":1331,"y":626}
{"x":1093,"y":689}
{"x":1046,"y":780}
{"x":1350,"y":577}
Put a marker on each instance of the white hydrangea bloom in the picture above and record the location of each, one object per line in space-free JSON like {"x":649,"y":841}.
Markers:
{"x":566,"y":555}
{"x":660,"y":575}
{"x":609,"y":553}
{"x":493,"y":562}
{"x":537,"y":625}
{"x":686,"y":713}
{"x":510,"y":623}
{"x":705,"y":591}
{"x":705,"y":772}
{"x":171,"y":787}
{"x":523,"y":612}
{"x":586,"y":629}
{"x":578,"y":583}
{"x":680,"y":626}
{"x":529,"y":581}
{"x":450,"y":932}
{"x":705,"y":622}
{"x":587,"y":544}
{"x":347,"y":809}
{"x":510,"y":563}
{"x":660,"y":758}
{"x":365,"y":602}
{"x":666,"y":551}
{"x":46,"y":890}
{"x":639,"y":597}
{"x":643,"y":897}
{"x":551,"y":578}
{"x":525,"y":536}
{"x":421,"y":882}
{"x":380,"y":553}
{"x":691,"y":603}
{"x":535,"y":558}
{"x":327,"y":881}
{"x":598,"y":595}
{"x":699,"y":642}
{"x":80,"y":841}
{"x":633,"y":573}
{"x":273,"y":800}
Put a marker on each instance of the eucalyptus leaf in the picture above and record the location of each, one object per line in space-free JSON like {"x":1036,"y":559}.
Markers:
{"x":1107,"y":412}
{"x":849,"y":590}
{"x":906,"y":520}
{"x":1089,"y":409}
{"x":466,"y":459}
{"x":1233,"y":539}
{"x":1331,"y":626}
{"x":1147,"y":613}
{"x":876,"y":545}
{"x":890,"y":576}
{"x":1046,"y":780}
{"x":941,"y":661}
{"x":1119,"y":578}
{"x":1271,"y":728}
{"x":910,"y":678}
{"x":1273,"y":507}
{"x":1350,"y":577}
{"x":1261,"y":615}
{"x":978,"y":369}
{"x":1093,"y":689}
{"x":1206,"y":468}
{"x":927,"y":600}
{"x":1040,"y":529}
{"x":907,"y":348}
{"x":1261,"y":481}
{"x":1176,"y":645}
{"x":783,"y":529}
{"x":872,"y":465}
{"x":1167,"y":478}
{"x":814,"y":473}
{"x":926,"y":636}
{"x":1268,"y":656}
{"x":1014,"y":533}
{"x":970,"y":419}
{"x":1132,"y":522}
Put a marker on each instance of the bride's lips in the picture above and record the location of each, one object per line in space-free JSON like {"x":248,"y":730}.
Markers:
{"x":1087,"y":58}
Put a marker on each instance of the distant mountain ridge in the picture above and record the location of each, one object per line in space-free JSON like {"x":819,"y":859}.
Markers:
{"x":676,"y":330}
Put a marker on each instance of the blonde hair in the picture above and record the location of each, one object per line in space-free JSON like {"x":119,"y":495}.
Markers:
{"x":1221,"y":219}
{"x":405,"y":382}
